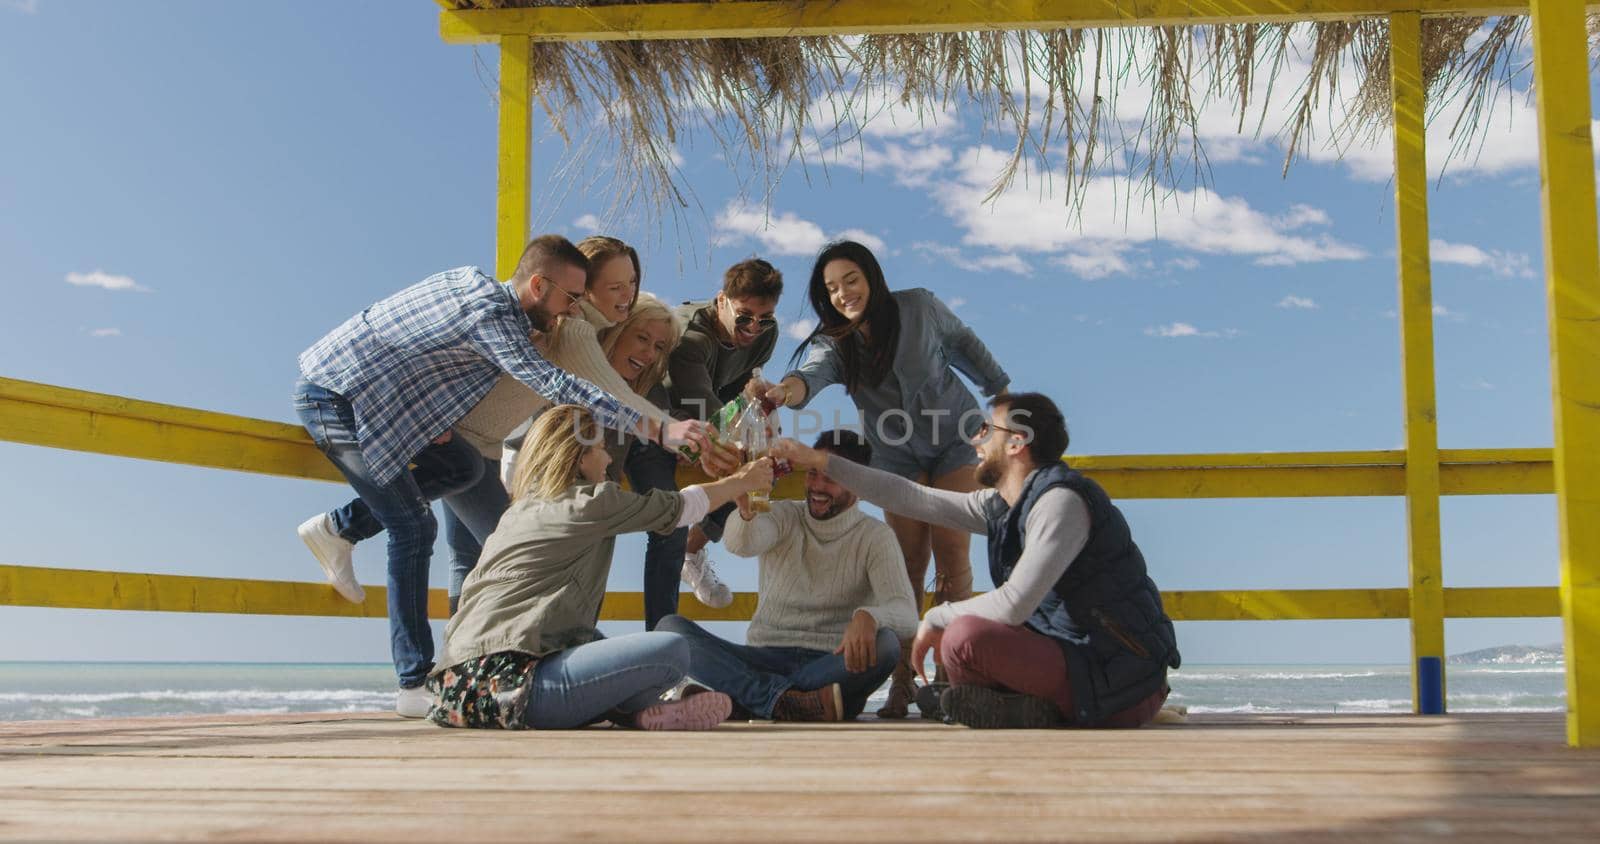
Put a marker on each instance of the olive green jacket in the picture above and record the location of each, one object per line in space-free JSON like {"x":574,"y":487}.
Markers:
{"x":542,"y":575}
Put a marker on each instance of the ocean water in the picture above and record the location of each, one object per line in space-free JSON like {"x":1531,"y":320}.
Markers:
{"x":43,"y":691}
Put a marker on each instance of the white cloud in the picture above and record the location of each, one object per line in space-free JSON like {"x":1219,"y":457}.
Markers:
{"x":910,"y":166}
{"x":1119,"y":215}
{"x":979,"y":264}
{"x":1184,"y":263}
{"x":1501,"y":263}
{"x":877,"y":111}
{"x":784,"y":233}
{"x":105,"y":332}
{"x":1480,"y":384}
{"x":956,"y":302}
{"x":801,"y":328}
{"x":106,"y":281}
{"x":1300,"y":302}
{"x":588,"y":223}
{"x":1184,"y":329}
{"x":865,"y":238}
{"x":27,"y":7}
{"x":1095,"y":264}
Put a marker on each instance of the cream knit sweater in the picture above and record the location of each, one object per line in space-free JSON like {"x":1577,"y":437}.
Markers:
{"x":510,"y":402}
{"x":815,"y":574}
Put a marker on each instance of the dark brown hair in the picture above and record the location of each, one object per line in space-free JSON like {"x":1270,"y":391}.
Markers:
{"x":544,"y":253}
{"x":1041,"y":421}
{"x":752,"y":277}
{"x":865,"y":362}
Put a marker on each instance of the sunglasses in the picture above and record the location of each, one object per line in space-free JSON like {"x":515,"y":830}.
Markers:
{"x":985,"y":427}
{"x":572,"y":298}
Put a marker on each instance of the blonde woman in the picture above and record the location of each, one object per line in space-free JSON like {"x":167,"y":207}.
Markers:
{"x":522,"y":650}
{"x":638,"y":348}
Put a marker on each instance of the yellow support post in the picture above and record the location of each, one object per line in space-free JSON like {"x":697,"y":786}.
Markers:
{"x":1416,"y":349}
{"x":516,"y":152}
{"x":1572,"y":284}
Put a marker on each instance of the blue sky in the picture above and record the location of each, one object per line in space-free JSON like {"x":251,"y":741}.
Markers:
{"x":191,"y":193}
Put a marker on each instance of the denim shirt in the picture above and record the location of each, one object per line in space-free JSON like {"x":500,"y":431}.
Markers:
{"x":920,"y":405}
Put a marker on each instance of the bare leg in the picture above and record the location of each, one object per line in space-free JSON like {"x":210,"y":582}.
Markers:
{"x":952,"y":549}
{"x":915,"y":545}
{"x":697,"y":540}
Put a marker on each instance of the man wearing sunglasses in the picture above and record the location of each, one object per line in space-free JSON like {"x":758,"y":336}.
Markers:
{"x":1074,"y":633}
{"x":723,"y":340}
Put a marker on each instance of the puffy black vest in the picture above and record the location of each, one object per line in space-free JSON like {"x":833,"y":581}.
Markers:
{"x":1105,"y":612}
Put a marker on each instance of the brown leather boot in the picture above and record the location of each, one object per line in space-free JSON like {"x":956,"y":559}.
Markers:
{"x":901,"y":692}
{"x":824,"y":704}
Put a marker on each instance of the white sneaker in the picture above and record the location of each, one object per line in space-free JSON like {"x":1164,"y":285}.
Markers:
{"x":333,"y":554}
{"x":414,"y":702}
{"x":702,"y":578}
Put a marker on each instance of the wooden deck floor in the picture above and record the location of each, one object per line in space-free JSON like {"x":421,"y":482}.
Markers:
{"x":376,"y":777}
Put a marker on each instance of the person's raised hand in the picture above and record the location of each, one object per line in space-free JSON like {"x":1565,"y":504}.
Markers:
{"x":690,"y":432}
{"x":800,"y":456}
{"x":719,"y":459}
{"x":757,"y":474}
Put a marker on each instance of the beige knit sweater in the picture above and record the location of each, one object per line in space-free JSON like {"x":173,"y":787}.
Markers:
{"x":815,"y":574}
{"x":509,"y":403}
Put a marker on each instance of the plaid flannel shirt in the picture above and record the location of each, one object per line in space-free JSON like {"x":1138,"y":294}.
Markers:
{"x":413,"y":364}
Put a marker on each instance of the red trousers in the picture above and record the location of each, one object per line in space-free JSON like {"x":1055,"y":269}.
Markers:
{"x":980,"y":652}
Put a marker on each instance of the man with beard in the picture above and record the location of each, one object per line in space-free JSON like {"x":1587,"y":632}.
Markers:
{"x":834,"y":604}
{"x":1074,"y":633}
{"x":723,"y":341}
{"x":379,"y":394}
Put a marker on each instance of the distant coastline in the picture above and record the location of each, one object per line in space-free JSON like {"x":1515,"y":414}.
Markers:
{"x":1511,"y":655}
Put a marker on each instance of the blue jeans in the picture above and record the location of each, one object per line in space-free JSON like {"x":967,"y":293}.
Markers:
{"x":756,"y":677}
{"x":648,"y":468}
{"x":400,"y":507}
{"x":470,"y":515}
{"x":585,"y":684}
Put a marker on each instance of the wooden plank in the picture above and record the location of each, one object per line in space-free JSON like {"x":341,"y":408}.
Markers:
{"x":776,"y":18}
{"x":1572,"y":283}
{"x":377,"y":777}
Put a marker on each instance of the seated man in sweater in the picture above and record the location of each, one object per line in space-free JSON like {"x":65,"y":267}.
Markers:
{"x":1074,"y":632}
{"x":834,"y":604}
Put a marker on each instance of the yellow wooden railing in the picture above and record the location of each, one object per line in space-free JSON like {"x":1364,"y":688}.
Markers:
{"x":58,"y":417}
{"x":64,"y":418}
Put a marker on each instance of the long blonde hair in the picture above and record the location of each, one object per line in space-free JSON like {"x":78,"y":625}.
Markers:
{"x":554,"y":446}
{"x":646,"y":308}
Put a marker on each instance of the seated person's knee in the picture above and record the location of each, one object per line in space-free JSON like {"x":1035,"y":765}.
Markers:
{"x":888,"y":645}
{"x":673,"y":624}
{"x":964,"y":637}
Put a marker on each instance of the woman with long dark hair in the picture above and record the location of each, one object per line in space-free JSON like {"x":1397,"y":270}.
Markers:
{"x":897,"y":354}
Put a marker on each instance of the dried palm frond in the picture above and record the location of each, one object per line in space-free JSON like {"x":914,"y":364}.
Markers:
{"x":771,"y":102}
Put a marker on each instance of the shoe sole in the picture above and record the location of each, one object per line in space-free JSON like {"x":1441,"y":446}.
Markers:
{"x":987,"y":709}
{"x":928,"y":701}
{"x":696,"y":712}
{"x":355,"y":595}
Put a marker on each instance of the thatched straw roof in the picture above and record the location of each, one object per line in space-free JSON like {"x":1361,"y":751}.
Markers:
{"x":774,"y":102}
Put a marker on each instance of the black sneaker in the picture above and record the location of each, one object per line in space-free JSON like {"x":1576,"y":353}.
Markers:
{"x":928,"y":701}
{"x":988,"y":709}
